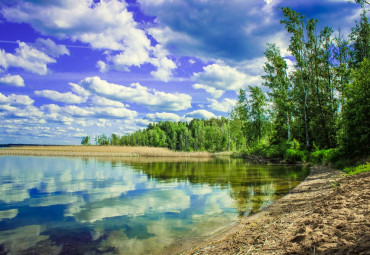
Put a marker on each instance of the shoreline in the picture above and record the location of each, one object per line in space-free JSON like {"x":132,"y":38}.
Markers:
{"x":99,"y":151}
{"x":322,"y":214}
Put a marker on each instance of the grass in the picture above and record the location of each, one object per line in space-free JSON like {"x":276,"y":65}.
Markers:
{"x":99,"y":151}
{"x":358,"y":169}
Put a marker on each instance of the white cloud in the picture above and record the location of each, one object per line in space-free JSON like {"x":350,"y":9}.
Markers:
{"x":51,"y":108}
{"x":113,"y":112}
{"x":216,"y":93}
{"x":163,"y":63}
{"x":101,"y":101}
{"x":8,"y":214}
{"x":105,"y":25}
{"x":103,"y":123}
{"x":12,"y":80}
{"x":136,"y":93}
{"x":200,"y":114}
{"x":77,"y":111}
{"x":51,"y":48}
{"x":226,"y":105}
{"x":163,"y":116}
{"x":99,"y":112}
{"x":68,"y":98}
{"x":15,"y":100}
{"x":55,"y":117}
{"x":28,"y":111}
{"x":26,"y":57}
{"x":103,"y":67}
{"x":79,"y":90}
{"x":216,"y":78}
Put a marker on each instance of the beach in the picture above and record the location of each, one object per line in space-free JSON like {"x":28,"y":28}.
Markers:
{"x":327,"y":213}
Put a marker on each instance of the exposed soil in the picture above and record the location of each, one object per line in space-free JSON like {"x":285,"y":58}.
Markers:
{"x":325,"y":214}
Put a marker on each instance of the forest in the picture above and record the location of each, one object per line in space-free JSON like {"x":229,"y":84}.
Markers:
{"x":318,"y":109}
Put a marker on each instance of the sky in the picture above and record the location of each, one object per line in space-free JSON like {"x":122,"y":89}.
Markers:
{"x":72,"y":68}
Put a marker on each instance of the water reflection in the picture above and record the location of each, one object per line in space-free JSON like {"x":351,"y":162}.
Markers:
{"x":136,"y":206}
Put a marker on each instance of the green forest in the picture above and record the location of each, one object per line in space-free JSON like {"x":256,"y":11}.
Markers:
{"x":317,"y":110}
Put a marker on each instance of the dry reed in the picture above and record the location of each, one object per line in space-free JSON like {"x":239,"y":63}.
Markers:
{"x":99,"y":151}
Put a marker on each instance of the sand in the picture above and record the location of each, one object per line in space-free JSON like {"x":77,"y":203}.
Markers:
{"x":325,"y":214}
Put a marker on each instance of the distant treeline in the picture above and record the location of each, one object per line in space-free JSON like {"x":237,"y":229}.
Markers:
{"x":321,"y":104}
{"x":197,"y":135}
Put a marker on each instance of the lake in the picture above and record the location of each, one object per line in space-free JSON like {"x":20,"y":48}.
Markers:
{"x":59,"y":205}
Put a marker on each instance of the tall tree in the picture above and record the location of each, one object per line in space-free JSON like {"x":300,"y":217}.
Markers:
{"x":356,"y":114}
{"x":257,"y":113}
{"x":276,"y":78}
{"x":360,"y":39}
{"x":300,"y":42}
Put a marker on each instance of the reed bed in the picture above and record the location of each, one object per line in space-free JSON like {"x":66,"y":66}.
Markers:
{"x":99,"y":151}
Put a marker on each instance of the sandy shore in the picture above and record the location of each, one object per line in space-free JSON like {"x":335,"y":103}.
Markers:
{"x":325,"y":214}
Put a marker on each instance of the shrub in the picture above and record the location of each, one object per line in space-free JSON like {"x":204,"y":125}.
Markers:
{"x":326,"y":157}
{"x":357,"y":169}
{"x":292,"y":155}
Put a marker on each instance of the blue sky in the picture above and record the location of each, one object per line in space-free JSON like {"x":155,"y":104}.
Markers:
{"x":71,"y":68}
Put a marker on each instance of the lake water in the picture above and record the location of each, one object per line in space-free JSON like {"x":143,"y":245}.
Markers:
{"x":61,"y":205}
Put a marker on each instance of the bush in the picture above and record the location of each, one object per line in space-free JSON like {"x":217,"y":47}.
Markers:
{"x":357,"y":169}
{"x":324,"y":156}
{"x":292,"y":155}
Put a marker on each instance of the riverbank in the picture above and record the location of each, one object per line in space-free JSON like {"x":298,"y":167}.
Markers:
{"x":99,"y":151}
{"x":325,"y":214}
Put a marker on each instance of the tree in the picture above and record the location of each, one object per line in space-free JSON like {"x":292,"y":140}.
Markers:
{"x":301,"y":29}
{"x":86,"y":140}
{"x":241,"y":118}
{"x":360,"y":38}
{"x":356,"y":114}
{"x":257,"y":113}
{"x":102,"y":140}
{"x":276,"y":78}
{"x":114,"y":140}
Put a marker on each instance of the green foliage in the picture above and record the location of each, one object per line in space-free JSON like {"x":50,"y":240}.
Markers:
{"x":102,"y":140}
{"x":198,"y":135}
{"x":86,"y":140}
{"x":356,"y":113}
{"x":295,"y":145}
{"x":336,"y":184}
{"x":292,"y":155}
{"x":324,"y":156}
{"x":357,"y":169}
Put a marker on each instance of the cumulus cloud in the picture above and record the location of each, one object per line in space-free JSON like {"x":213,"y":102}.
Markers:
{"x":77,"y":111}
{"x":99,"y":112}
{"x":136,"y":93}
{"x":26,"y":57}
{"x":216,"y":93}
{"x":12,"y":80}
{"x":14,"y":99}
{"x":27,"y":112}
{"x":68,"y":97}
{"x":51,"y":48}
{"x":104,"y":25}
{"x":79,"y":90}
{"x":226,"y":105}
{"x":101,"y":101}
{"x":163,"y":116}
{"x":200,"y":114}
{"x":217,"y":78}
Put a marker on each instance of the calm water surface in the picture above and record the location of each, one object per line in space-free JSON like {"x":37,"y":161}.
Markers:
{"x":142,"y":206}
